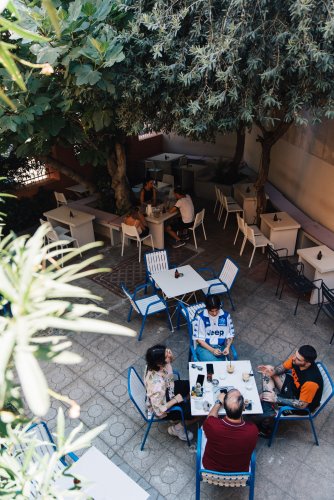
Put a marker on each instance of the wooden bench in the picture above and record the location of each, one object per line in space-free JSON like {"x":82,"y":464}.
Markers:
{"x":105,"y":223}
{"x":312,"y":231}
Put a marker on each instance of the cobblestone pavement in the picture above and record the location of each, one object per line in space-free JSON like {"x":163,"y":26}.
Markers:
{"x":266,"y":331}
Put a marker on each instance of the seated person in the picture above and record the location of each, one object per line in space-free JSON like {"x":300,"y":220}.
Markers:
{"x":163,"y":392}
{"x":213,"y":331}
{"x":301,"y":389}
{"x":148,"y":194}
{"x":183,"y":205}
{"x":230,"y":440}
{"x":135,"y":218}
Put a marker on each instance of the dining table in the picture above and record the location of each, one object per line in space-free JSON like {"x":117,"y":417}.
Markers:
{"x":222,"y":380}
{"x":79,"y":223}
{"x":281,"y":229}
{"x":318,"y":262}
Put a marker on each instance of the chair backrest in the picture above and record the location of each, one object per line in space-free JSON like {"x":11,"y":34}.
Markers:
{"x":199,"y":218}
{"x":227,"y":479}
{"x":224,"y":198}
{"x":131,"y":231}
{"x":328,"y":387}
{"x":52,"y":235}
{"x":149,"y":164}
{"x":327,"y":294}
{"x":129,"y":296}
{"x":156,"y":261}
{"x":168,"y":179}
{"x":241,"y":223}
{"x":250,"y":233}
{"x":137,"y":392}
{"x":60,"y":198}
{"x":229,"y":272}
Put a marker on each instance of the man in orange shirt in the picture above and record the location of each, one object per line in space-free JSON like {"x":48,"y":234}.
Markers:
{"x":297,"y":382}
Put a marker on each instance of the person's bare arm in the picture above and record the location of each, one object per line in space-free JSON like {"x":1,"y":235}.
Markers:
{"x":173,"y":210}
{"x":228,"y":345}
{"x":154,"y":197}
{"x":296,"y":403}
{"x":216,"y":407}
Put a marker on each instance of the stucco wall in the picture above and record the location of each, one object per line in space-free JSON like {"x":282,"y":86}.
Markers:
{"x":304,"y":178}
{"x":223,"y":146}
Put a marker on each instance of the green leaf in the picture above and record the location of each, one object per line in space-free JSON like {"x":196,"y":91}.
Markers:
{"x":53,"y":16}
{"x":47,"y":54}
{"x":86,"y":75}
{"x":14,"y":27}
{"x":74,"y":10}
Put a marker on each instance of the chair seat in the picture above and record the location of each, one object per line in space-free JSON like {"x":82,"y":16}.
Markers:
{"x":143,"y":304}
{"x":256,"y":229}
{"x":234,"y":207}
{"x":261,"y":240}
{"x":217,"y":289}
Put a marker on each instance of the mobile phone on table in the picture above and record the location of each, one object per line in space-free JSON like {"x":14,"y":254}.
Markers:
{"x":200,"y":379}
{"x":209,"y":371}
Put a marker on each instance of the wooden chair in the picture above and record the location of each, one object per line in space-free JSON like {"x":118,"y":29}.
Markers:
{"x":131,"y":232}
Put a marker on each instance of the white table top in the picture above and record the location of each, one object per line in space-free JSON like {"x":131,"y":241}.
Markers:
{"x":325,"y":265}
{"x":285,"y":221}
{"x":103,"y":478}
{"x":77,"y":188}
{"x":191,"y":281}
{"x":248,"y":390}
{"x":166,"y":157}
{"x":62,"y":214}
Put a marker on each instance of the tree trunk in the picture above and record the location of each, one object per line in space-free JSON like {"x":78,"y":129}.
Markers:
{"x":116,"y":165}
{"x":233,"y":170}
{"x":267,"y":141}
{"x":64,"y":169}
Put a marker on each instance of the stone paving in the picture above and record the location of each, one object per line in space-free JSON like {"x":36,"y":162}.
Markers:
{"x":266,"y":331}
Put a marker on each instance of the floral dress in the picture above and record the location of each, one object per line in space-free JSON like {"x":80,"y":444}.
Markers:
{"x":157,"y":384}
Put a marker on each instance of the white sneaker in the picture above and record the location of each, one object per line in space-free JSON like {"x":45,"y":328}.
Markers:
{"x":180,"y":433}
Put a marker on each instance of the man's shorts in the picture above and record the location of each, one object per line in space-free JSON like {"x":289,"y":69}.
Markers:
{"x":179,"y":225}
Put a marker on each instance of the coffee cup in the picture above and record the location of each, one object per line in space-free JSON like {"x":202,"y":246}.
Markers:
{"x":230,"y":368}
{"x":245,"y":376}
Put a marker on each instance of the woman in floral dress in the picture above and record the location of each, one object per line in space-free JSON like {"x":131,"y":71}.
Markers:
{"x":163,"y":392}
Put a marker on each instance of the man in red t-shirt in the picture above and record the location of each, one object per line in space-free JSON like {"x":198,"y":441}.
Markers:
{"x":230,"y":440}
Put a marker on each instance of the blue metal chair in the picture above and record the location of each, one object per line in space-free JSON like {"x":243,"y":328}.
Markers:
{"x":227,"y":479}
{"x":327,"y":394}
{"x":190,"y":314}
{"x":137,"y":394}
{"x":43,"y":433}
{"x":224,"y":282}
{"x":146,"y":306}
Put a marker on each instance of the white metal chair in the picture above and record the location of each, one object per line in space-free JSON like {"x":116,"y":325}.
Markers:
{"x":199,"y":221}
{"x":227,"y":479}
{"x":257,"y":240}
{"x":327,"y":394}
{"x":61,"y":240}
{"x":224,"y":282}
{"x":131,"y":232}
{"x":60,"y":199}
{"x":220,"y":196}
{"x":137,"y":394}
{"x":242,"y":229}
{"x":60,"y":230}
{"x":231,"y":207}
{"x":151,"y":169}
{"x":145,"y":306}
